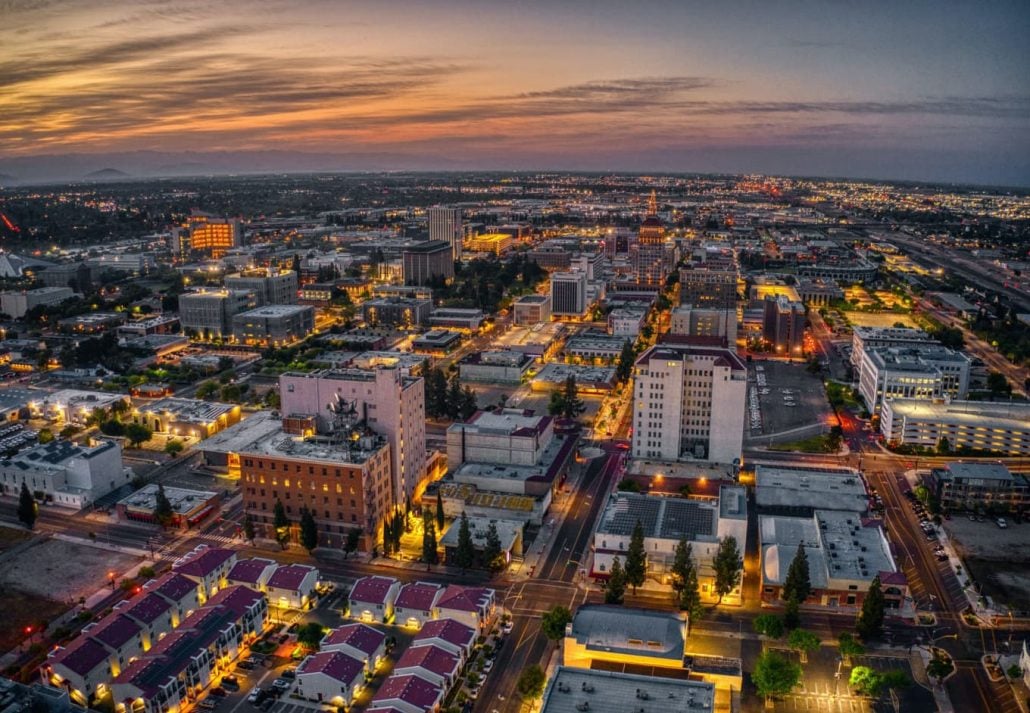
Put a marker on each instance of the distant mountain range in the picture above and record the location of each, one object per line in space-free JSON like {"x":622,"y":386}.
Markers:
{"x":146,"y":164}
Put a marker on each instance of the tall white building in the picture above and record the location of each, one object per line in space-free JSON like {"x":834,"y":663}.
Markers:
{"x":864,"y":339}
{"x":691,"y":321}
{"x":926,"y":372}
{"x":445,"y":224}
{"x":390,"y":403}
{"x":569,"y":293}
{"x":689,"y":403}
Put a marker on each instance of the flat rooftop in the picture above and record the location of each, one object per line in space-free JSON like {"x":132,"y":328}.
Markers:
{"x":557,"y":372}
{"x":473,"y":496}
{"x":507,"y":530}
{"x":320,"y":449}
{"x":615,"y":692}
{"x":799,"y":487}
{"x":551,"y":458}
{"x":616,"y":629}
{"x":183,"y":501}
{"x":275,"y":311}
{"x":532,"y":300}
{"x":661,"y":517}
{"x":240,"y":436}
{"x":188,"y":410}
{"x":974,"y":414}
{"x":981,"y":471}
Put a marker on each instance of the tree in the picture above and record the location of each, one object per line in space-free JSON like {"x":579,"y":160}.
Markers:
{"x":467,"y":405}
{"x":137,"y":434}
{"x":768,"y":625}
{"x":429,"y":552}
{"x":944,"y":446}
{"x":248,"y":528}
{"x":531,"y":682}
{"x":350,"y":545}
{"x":627,"y":485}
{"x":615,"y":587}
{"x":556,"y":405}
{"x":281,"y":524}
{"x":681,"y":564}
{"x":439,"y":512}
{"x":164,"y":513}
{"x":849,"y":646}
{"x":554,"y":621}
{"x":308,"y":530}
{"x":465,"y":552}
{"x":636,"y":558}
{"x":493,"y":554}
{"x":206,"y":390}
{"x":45,"y":435}
{"x":28,"y":510}
{"x":997,"y":384}
{"x":572,"y":405}
{"x":792,"y":614}
{"x":940,"y":668}
{"x":310,"y":635}
{"x":728,"y":565}
{"x":436,"y":393}
{"x":624,"y":367}
{"x":174,"y":447}
{"x":798,"y":585}
{"x":453,"y":401}
{"x":775,"y":675}
{"x":804,"y":642}
{"x":868,"y":682}
{"x":870,"y":621}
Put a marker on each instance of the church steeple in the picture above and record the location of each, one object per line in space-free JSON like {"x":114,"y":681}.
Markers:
{"x":652,"y":204}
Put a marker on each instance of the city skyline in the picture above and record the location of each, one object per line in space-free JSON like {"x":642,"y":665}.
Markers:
{"x":933,"y":92}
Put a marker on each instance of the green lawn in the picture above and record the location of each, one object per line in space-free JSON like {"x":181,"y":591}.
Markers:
{"x":815,"y":444}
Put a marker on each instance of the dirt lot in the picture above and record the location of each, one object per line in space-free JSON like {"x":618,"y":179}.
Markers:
{"x":22,"y":609}
{"x":63,"y":571}
{"x":9,"y":537}
{"x":998,"y":559}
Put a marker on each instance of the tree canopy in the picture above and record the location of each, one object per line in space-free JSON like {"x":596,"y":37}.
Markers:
{"x":728,"y":565}
{"x":28,"y":510}
{"x":636,"y":558}
{"x":554,"y":621}
{"x":775,"y":675}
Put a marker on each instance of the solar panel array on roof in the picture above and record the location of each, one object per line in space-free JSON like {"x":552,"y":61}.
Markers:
{"x":629,"y":512}
{"x":684,"y":519}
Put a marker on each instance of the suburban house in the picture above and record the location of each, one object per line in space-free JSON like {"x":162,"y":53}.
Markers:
{"x":409,"y":693}
{"x":330,"y":677}
{"x":372,"y":598}
{"x":432,"y":663}
{"x":253,"y":573}
{"x":416,"y":603}
{"x":359,"y":641}
{"x":449,"y":634}
{"x":474,"y":606}
{"x":292,"y":586}
{"x":207,"y":566}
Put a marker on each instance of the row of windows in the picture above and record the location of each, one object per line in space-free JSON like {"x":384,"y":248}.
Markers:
{"x":325,"y":499}
{"x":289,"y":511}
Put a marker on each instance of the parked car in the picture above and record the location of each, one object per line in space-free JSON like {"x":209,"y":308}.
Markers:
{"x":289,"y":673}
{"x":281,"y":684}
{"x":218,"y":692}
{"x":246,"y":665}
{"x":256,"y":696}
{"x":1001,"y":523}
{"x":207,"y":704}
{"x":230,"y":683}
{"x":508,"y":627}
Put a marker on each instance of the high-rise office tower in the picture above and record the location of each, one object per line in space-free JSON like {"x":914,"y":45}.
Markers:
{"x":569,"y":293}
{"x":445,"y":224}
{"x":650,"y":256}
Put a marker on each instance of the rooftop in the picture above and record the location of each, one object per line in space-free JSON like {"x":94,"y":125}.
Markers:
{"x":556,"y":372}
{"x":319,"y":448}
{"x":238,"y":599}
{"x":800,"y":487}
{"x":976,"y":414}
{"x":552,"y":458}
{"x":532,"y":300}
{"x":203,"y":561}
{"x":80,"y":656}
{"x":372,"y":589}
{"x":290,"y":576}
{"x":428,"y":246}
{"x":235,"y":438}
{"x":56,"y":453}
{"x":507,"y":531}
{"x":981,"y":471}
{"x":274,"y":311}
{"x":148,"y":608}
{"x":660,"y":517}
{"x":172,"y":585}
{"x":669,"y":351}
{"x":335,"y":664}
{"x":249,"y":571}
{"x":458,"y":597}
{"x":183,"y":501}
{"x":616,"y":692}
{"x":449,"y":630}
{"x":188,"y":410}
{"x":418,"y":595}
{"x":413,"y":690}
{"x":432,"y":658}
{"x":358,"y":636}
{"x":617,"y":629}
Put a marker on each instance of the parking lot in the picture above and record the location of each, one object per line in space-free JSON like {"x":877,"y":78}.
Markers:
{"x":784,"y":397}
{"x":996,"y":558}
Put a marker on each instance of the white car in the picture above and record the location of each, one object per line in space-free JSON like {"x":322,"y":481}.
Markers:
{"x":508,"y":626}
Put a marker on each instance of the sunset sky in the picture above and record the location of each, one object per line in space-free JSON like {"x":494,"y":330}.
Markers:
{"x":935,"y":90}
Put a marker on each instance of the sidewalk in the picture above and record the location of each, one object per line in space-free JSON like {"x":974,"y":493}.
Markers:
{"x":920,"y":658}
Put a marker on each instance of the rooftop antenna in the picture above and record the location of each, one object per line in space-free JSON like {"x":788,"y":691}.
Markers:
{"x":652,"y":203}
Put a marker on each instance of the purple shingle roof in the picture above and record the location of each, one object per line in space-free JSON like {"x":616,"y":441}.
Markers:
{"x":249,"y":571}
{"x":449,"y":630}
{"x":372,"y":589}
{"x":81,"y":656}
{"x":417,"y":595}
{"x":413,"y":690}
{"x":204,"y":562}
{"x":148,"y":608}
{"x":115,"y":630}
{"x":358,"y":636}
{"x":173,"y":586}
{"x":239,"y":598}
{"x":460,"y":598}
{"x":335,"y":664}
{"x":290,"y":576}
{"x":431,"y":658}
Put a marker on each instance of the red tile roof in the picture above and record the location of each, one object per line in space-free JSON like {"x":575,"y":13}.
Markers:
{"x":335,"y":664}
{"x":449,"y":630}
{"x":412,"y":690}
{"x":460,"y":598}
{"x":290,"y":576}
{"x":249,"y":571}
{"x":372,"y":589}
{"x":81,"y":656}
{"x":358,"y":636}
{"x":418,"y":595}
{"x":202,"y":563}
{"x":431,"y":658}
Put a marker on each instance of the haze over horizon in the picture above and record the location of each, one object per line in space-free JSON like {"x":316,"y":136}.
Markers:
{"x":924,"y":91}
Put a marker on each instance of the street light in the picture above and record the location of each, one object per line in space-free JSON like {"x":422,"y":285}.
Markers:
{"x":836,"y":675}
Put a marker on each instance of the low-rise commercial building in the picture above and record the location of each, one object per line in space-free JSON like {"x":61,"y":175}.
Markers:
{"x":801,"y":490}
{"x":691,"y":321}
{"x":460,"y":319}
{"x":990,"y":487}
{"x":973,"y":425}
{"x":531,"y":309}
{"x":189,"y":507}
{"x":396,"y":311}
{"x":273,"y":325}
{"x":66,"y":473}
{"x":509,"y":532}
{"x":592,"y":348}
{"x":665,"y":521}
{"x":436,"y":342}
{"x":589,"y":379}
{"x":574,"y":690}
{"x":496,"y":367}
{"x":272,"y":286}
{"x":865,"y":339}
{"x":208,"y":314}
{"x":923,"y":373}
{"x":16,"y":303}
{"x":187,"y":417}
